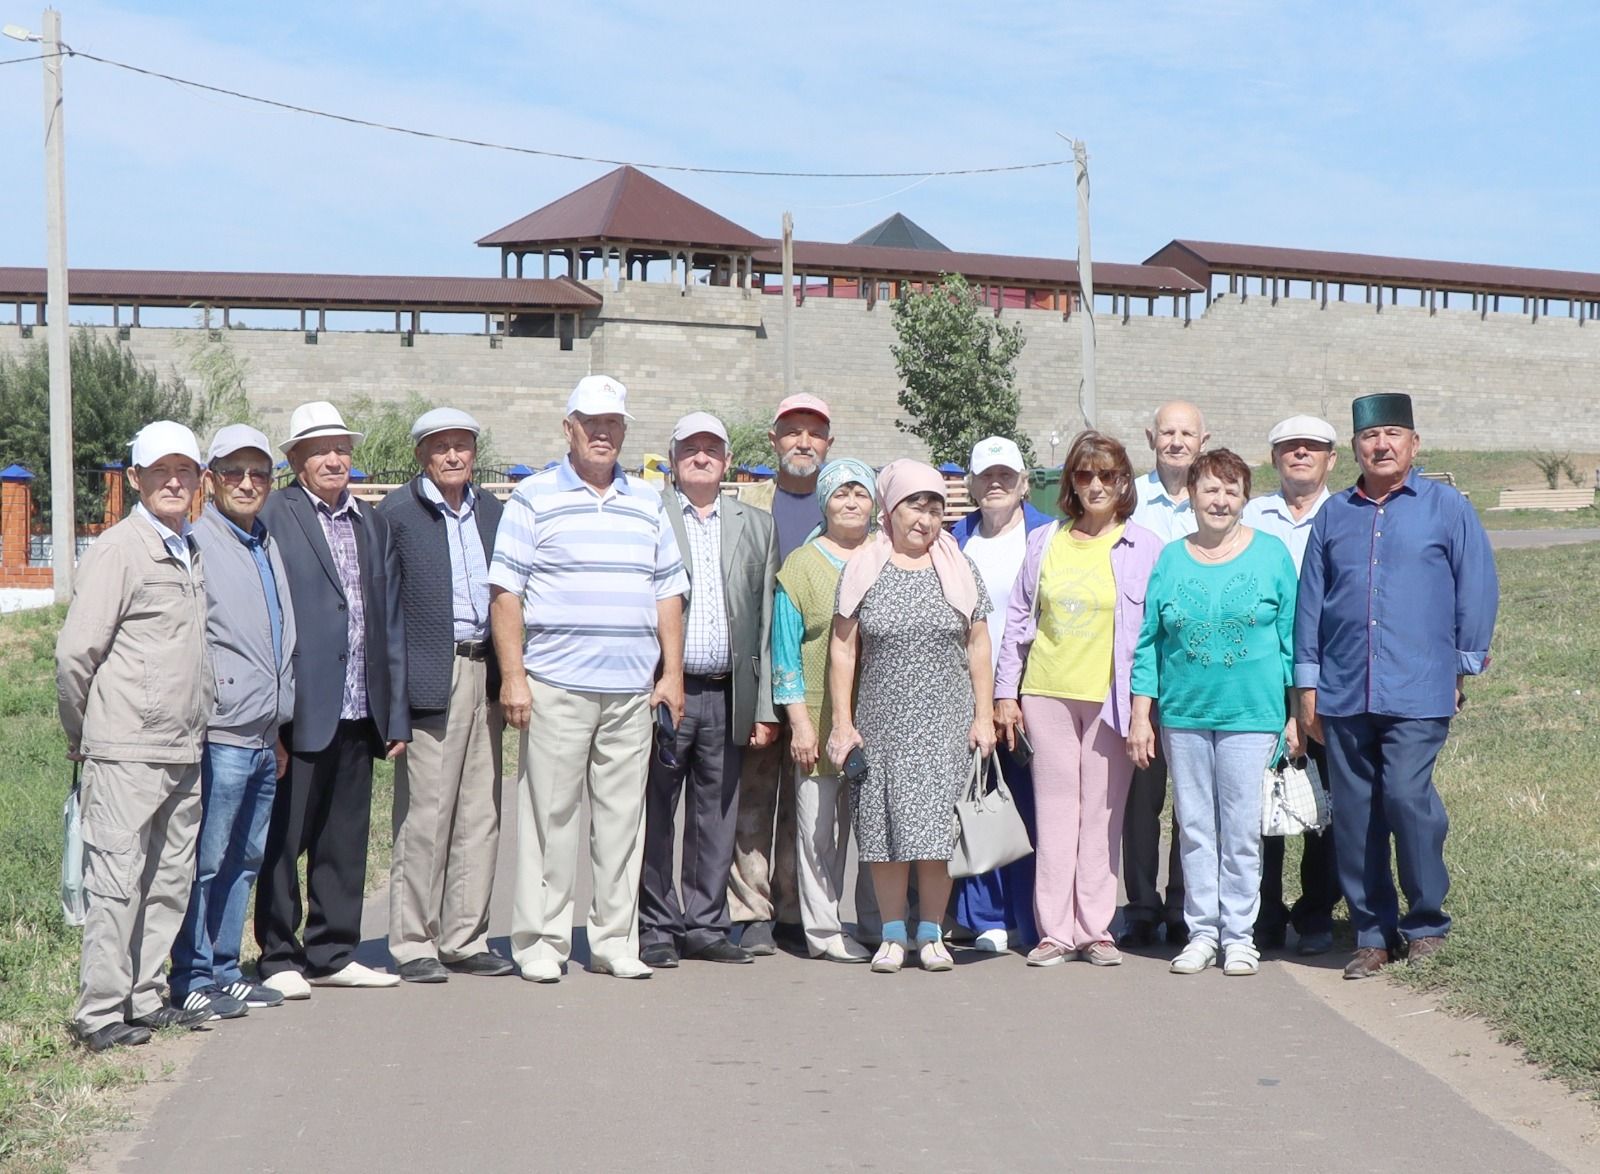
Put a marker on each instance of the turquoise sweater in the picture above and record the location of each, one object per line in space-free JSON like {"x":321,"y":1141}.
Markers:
{"x":1217,"y":647}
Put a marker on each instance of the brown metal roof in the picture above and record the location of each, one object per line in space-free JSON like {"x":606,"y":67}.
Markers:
{"x":626,"y":206}
{"x":158,"y":287}
{"x":818,"y":257}
{"x":1201,"y":258}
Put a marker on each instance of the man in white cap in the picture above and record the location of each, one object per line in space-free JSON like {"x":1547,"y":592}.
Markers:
{"x":250,"y":629}
{"x":586,"y":591}
{"x":447,"y":784}
{"x":731,"y":556}
{"x":350,"y":706}
{"x":134,"y":690}
{"x":763,"y":888}
{"x":1303,"y":453}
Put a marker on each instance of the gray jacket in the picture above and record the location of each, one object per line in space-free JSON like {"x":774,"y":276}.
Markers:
{"x":254,"y":694}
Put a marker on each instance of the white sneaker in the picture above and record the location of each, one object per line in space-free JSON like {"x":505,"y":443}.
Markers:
{"x":291,"y":984}
{"x":544,"y":970}
{"x":620,"y":967}
{"x":1240,"y":958}
{"x":354,"y":974}
{"x":992,"y":941}
{"x":844,"y":948}
{"x":1197,"y":956}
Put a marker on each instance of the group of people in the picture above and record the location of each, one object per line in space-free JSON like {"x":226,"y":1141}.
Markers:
{"x":813,"y":659}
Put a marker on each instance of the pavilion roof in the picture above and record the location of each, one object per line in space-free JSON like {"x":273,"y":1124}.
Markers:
{"x":1201,"y":258}
{"x":626,"y":206}
{"x":901,"y":232}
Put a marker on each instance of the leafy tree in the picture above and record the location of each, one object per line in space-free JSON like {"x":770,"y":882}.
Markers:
{"x":956,"y":364}
{"x":748,"y":443}
{"x":113,"y":396}
{"x":222,"y":397}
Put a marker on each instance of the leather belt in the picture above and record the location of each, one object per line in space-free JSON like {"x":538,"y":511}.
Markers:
{"x":473,"y":649}
{"x":710,"y":678}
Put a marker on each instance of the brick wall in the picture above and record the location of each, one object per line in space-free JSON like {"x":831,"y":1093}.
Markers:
{"x":1504,"y":382}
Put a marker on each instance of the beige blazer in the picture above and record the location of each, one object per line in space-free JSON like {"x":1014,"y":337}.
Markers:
{"x":749,"y":570}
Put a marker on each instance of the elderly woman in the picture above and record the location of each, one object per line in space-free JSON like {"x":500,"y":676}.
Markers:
{"x":802,"y":624}
{"x":911,"y":608}
{"x":1064,"y":677}
{"x":998,"y":906}
{"x":1216,"y":651}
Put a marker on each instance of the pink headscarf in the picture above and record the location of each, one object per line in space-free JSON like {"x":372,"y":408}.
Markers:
{"x":897,"y":481}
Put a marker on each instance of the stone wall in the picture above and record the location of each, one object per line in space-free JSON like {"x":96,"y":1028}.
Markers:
{"x":1503,"y":382}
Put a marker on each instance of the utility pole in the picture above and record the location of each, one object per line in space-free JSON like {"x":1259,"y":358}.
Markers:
{"x":788,"y":304}
{"x":1086,"y":399}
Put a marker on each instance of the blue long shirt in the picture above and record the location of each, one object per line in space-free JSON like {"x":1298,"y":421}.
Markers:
{"x":1396,"y":599}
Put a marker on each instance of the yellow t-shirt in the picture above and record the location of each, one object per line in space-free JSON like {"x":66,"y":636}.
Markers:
{"x":1077,"y":600}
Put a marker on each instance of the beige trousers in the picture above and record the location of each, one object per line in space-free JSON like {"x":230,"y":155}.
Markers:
{"x":447,"y":825}
{"x":761,"y":885}
{"x":577,"y":742}
{"x":141,"y":822}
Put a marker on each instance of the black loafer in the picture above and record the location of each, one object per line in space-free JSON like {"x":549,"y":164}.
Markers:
{"x":757,"y":939}
{"x":423,"y":970}
{"x":721,"y":950}
{"x":170,"y":1016}
{"x":660,"y":956}
{"x":114,"y":1035}
{"x":1138,"y":935}
{"x":484,"y":964}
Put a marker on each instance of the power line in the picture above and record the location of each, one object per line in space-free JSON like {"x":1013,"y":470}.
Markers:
{"x":466,"y":142}
{"x":35,"y":57}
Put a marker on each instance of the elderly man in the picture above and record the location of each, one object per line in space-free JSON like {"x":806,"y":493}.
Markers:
{"x":250,"y":629}
{"x":1397,"y":605}
{"x":134,"y":690}
{"x":1304,"y":456}
{"x":587,"y":595}
{"x":731,"y":555}
{"x":350,"y":706}
{"x":762,"y":888}
{"x":447,"y":784}
{"x":1176,"y":436}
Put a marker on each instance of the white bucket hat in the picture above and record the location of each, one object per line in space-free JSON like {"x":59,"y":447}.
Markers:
{"x":317,"y":418}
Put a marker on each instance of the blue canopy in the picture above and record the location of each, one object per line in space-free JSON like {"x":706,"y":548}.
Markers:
{"x":951,"y":467}
{"x":519,"y":471}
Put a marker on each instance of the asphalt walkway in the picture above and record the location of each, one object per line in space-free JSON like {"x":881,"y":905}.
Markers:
{"x":796,"y":1065}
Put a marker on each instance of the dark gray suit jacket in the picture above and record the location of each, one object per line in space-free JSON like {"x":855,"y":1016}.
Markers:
{"x":749,"y":570}
{"x":321,"y":624}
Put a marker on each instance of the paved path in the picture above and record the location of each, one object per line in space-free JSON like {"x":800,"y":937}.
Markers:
{"x":1522,"y":539}
{"x":794,"y":1065}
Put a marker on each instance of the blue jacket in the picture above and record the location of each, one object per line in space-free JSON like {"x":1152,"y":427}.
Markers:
{"x":1032,"y":519}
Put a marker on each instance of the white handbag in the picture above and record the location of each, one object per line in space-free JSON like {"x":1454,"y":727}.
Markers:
{"x":74,"y":901}
{"x":1293,"y":798}
{"x":988,"y":828}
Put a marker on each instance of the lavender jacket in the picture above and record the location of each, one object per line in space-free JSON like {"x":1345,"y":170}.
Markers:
{"x":1132,"y":558}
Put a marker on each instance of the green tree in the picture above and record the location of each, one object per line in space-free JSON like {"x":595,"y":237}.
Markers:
{"x":113,"y":396}
{"x":222,"y":397}
{"x":956,"y":364}
{"x":386,"y":454}
{"x":748,"y":443}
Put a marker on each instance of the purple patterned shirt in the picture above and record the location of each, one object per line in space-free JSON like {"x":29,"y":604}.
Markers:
{"x":338,"y":527}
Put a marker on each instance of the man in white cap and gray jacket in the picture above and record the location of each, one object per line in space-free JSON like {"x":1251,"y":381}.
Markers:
{"x":447,"y":784}
{"x":349,"y":707}
{"x":250,"y":630}
{"x":134,"y":689}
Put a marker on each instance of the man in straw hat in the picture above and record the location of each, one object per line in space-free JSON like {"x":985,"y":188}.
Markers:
{"x":1396,"y":608}
{"x":350,"y":706}
{"x":134,"y":687}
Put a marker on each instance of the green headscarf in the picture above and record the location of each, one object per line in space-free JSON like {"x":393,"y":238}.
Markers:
{"x":834,"y":476}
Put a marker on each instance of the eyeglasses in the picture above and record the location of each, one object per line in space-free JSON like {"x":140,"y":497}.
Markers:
{"x":1083,"y":478}
{"x":236,"y":474}
{"x":665,"y":752}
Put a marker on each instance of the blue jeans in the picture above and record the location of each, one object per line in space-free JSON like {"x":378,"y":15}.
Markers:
{"x":236,"y":789}
{"x":1216,"y":794}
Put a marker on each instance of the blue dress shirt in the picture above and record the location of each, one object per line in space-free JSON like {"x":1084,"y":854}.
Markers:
{"x":469,"y":564}
{"x":1397,"y":598}
{"x":255,"y":543}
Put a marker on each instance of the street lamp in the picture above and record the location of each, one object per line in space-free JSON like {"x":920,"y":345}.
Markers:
{"x":63,"y":531}
{"x":1055,"y":439}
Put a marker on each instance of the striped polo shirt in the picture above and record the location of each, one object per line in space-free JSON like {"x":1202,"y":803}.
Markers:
{"x":589,"y":568}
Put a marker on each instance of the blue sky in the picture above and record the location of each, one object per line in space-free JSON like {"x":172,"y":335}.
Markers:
{"x":1457,"y":131}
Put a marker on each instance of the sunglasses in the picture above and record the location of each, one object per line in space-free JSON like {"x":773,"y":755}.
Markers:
{"x":236,"y":474}
{"x":1083,"y":478}
{"x":666,"y":736}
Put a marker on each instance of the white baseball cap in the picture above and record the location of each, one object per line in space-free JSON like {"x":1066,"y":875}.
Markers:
{"x":1303,"y":428}
{"x":996,"y":450}
{"x":443,"y":420}
{"x":599,"y":395}
{"x":697,"y":422}
{"x":164,"y":438}
{"x":317,"y":418}
{"x":233,"y":437}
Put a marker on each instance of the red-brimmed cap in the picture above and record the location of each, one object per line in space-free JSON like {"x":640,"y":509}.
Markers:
{"x":802,"y":402}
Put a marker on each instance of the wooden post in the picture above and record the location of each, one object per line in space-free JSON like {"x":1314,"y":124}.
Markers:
{"x":788,"y":303}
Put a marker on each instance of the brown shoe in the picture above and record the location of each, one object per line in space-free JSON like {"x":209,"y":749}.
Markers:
{"x":1367,"y":962}
{"x":1422,"y":948}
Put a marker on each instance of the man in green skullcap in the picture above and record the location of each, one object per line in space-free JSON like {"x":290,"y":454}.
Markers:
{"x":1397,"y":604}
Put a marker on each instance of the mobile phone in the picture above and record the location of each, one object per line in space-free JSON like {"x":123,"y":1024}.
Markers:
{"x":1022,"y":753}
{"x":855,"y":765}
